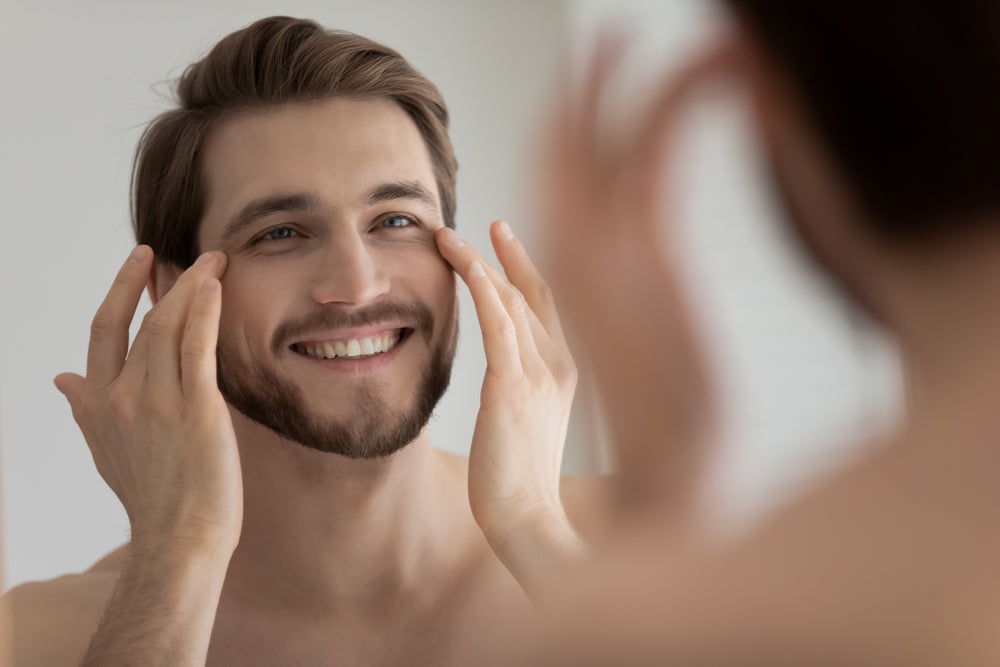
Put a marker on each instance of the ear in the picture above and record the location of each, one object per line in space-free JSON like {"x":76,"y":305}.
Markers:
{"x":161,"y":279}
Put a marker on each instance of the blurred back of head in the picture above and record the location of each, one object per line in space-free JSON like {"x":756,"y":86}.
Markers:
{"x":905,"y":97}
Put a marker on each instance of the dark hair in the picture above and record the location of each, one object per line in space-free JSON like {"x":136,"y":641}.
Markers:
{"x":273,"y":61}
{"x":906,"y":96}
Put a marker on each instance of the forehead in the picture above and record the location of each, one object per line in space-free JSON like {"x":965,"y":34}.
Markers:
{"x":335,"y":149}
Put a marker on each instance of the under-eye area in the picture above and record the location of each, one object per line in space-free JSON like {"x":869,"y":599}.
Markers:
{"x":352,"y":348}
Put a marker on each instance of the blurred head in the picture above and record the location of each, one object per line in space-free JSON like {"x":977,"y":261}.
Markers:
{"x":901,"y":102}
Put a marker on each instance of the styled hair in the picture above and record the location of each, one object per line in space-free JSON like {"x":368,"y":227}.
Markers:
{"x":905,"y":96}
{"x":273,"y":61}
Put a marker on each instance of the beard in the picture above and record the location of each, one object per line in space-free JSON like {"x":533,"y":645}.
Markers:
{"x":374,"y":430}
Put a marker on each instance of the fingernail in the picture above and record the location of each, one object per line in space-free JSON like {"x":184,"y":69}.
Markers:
{"x":505,"y":230}
{"x":203,"y":259}
{"x":476,"y":269}
{"x":452,"y":237}
{"x":137,"y":254}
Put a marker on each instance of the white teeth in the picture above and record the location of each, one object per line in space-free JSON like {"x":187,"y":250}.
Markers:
{"x":351,"y":348}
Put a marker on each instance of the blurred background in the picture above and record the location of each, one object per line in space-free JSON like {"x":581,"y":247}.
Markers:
{"x":802,"y":377}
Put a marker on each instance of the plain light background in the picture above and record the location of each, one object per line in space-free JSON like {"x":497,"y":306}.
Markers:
{"x":801,"y":377}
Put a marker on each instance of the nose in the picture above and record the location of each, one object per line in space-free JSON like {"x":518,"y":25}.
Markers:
{"x":349,"y":273}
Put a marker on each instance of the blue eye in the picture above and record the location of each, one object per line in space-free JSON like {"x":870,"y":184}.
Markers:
{"x":396,"y":221}
{"x":278,"y":234}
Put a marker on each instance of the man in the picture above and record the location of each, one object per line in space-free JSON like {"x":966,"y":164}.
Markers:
{"x":295,"y":214}
{"x":879,"y":123}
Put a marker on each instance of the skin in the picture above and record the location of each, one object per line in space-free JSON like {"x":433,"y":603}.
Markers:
{"x":249,"y":549}
{"x":890,"y":561}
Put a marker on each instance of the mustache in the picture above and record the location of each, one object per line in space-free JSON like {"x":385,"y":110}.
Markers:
{"x":416,"y":314}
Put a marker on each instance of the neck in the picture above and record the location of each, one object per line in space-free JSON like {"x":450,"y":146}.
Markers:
{"x":320,"y":529}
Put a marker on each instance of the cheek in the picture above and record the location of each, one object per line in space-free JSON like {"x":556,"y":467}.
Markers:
{"x":444,"y":299}
{"x":247,"y":305}
{"x":438,"y":280}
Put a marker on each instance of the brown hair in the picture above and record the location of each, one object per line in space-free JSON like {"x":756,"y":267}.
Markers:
{"x":905,"y":95}
{"x":270,"y":62}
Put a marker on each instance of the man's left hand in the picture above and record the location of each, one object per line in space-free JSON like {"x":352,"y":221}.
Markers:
{"x":514,"y":461}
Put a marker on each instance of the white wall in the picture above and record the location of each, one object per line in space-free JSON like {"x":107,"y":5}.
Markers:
{"x":798,"y":378}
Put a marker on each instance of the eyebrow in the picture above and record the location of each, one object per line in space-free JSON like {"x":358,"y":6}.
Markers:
{"x":306,"y":202}
{"x":413,"y":190}
{"x":259,"y":208}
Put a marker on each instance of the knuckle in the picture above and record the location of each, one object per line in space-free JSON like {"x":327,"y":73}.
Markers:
{"x":120,"y":402}
{"x":156,"y":323}
{"x":123,"y":280}
{"x":565,"y":372}
{"x":513,"y":299}
{"x":543,"y":293}
{"x":192,"y":351}
{"x":103,"y":323}
{"x":506,"y":330}
{"x":523,"y":389}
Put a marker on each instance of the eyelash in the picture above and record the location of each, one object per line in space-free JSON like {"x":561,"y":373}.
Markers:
{"x":410,"y":222}
{"x":264,"y":236}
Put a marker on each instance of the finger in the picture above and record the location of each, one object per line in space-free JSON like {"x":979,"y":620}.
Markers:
{"x":535,"y":343}
{"x":524,"y":275}
{"x":577,"y":157}
{"x":710,"y":63}
{"x":109,"y":328}
{"x":642,"y":161}
{"x":165,"y":324}
{"x":70,"y":385}
{"x":527,"y":322}
{"x":198,"y":347}
{"x":500,"y":309}
{"x":499,"y":332}
{"x":605,"y":57}
{"x":135,"y":373}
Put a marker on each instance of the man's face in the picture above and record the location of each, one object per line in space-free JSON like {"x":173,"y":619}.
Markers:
{"x":338,"y":323}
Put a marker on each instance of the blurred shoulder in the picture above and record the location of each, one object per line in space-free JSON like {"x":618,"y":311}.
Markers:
{"x":53,"y":620}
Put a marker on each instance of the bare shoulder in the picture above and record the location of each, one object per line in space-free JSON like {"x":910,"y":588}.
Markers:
{"x":112,"y":562}
{"x":53,"y":620}
{"x":587,"y":500}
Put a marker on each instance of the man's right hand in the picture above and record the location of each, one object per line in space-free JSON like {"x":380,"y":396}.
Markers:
{"x":156,"y":424}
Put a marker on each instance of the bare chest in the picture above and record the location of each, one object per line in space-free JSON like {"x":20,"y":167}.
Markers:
{"x":456,"y":632}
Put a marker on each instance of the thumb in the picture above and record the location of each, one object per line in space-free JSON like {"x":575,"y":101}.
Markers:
{"x":69,"y":385}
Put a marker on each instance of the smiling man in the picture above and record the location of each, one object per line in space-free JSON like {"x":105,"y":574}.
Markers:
{"x":354,"y":381}
{"x":295,"y":215}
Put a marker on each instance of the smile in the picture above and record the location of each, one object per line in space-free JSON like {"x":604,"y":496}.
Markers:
{"x":366,"y":346}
